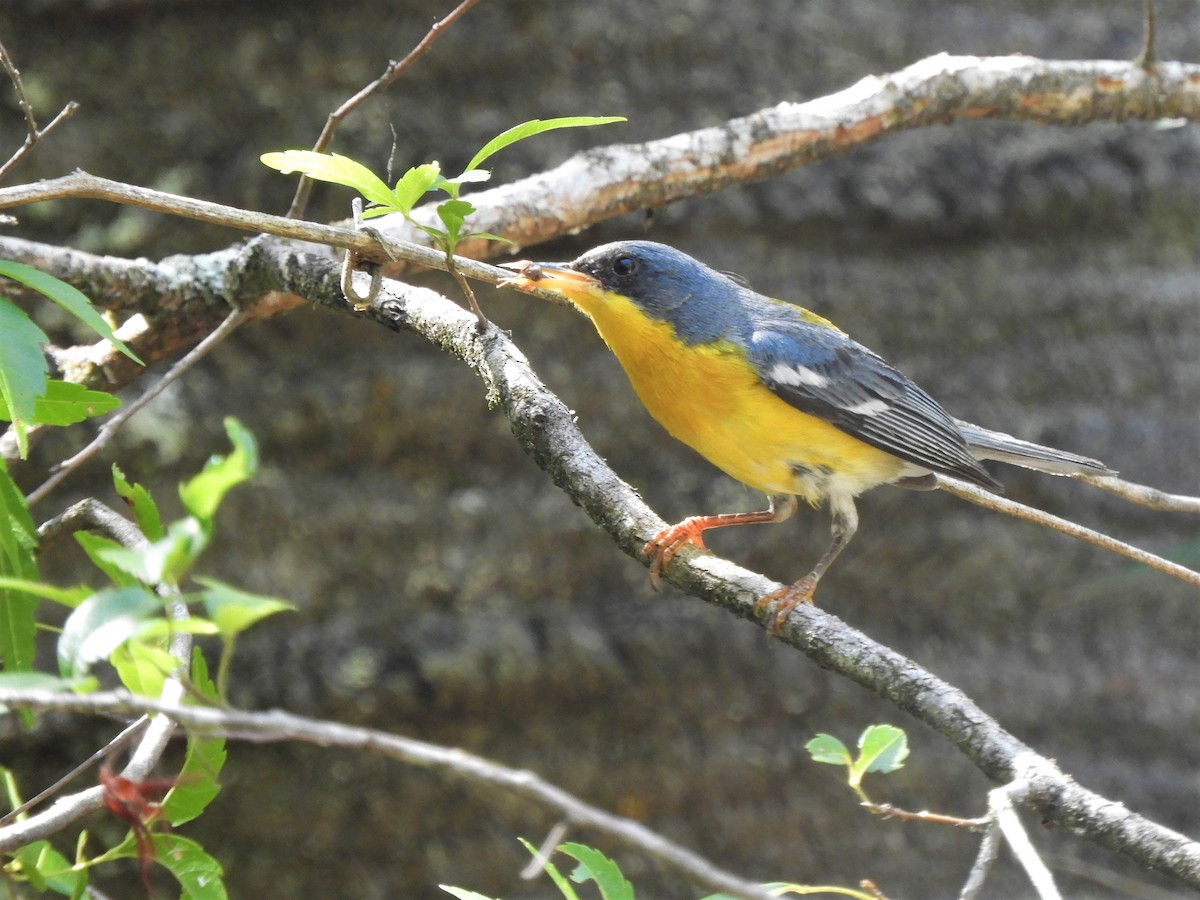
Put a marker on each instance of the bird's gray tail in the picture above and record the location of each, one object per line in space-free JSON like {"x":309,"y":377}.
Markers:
{"x":986,"y":444}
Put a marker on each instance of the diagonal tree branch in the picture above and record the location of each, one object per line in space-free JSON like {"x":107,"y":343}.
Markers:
{"x":276,"y":726}
{"x":546,"y":430}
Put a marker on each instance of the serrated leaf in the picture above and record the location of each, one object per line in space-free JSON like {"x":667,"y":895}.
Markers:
{"x":164,"y":560}
{"x":203,"y":494}
{"x":200,"y":876}
{"x":145,"y":510}
{"x":142,"y":668}
{"x":485,"y":235}
{"x":95,"y":545}
{"x":413,"y":185}
{"x":66,"y":403}
{"x":205,"y":759}
{"x":45,"y":867}
{"x":234,"y":610}
{"x":825,"y":748}
{"x":436,"y":235}
{"x":23,"y":370}
{"x":332,"y":168}
{"x":18,"y":569}
{"x":453,"y":213}
{"x":100,"y":624}
{"x":882,"y":748}
{"x":595,"y":866}
{"x":161,"y":629}
{"x":69,"y":298}
{"x":532,"y":127}
{"x":65,"y":596}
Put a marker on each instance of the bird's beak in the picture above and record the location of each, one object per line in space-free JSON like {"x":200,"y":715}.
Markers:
{"x":535,"y":277}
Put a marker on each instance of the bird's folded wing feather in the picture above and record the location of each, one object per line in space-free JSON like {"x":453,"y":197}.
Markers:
{"x":823,"y":373}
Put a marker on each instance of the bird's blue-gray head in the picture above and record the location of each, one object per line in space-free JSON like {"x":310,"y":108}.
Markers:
{"x":699,"y":303}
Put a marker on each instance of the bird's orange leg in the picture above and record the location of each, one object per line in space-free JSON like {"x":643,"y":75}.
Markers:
{"x":664,"y":546}
{"x":845,"y":523}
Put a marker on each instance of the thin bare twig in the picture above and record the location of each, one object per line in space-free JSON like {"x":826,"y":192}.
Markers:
{"x":276,"y":726}
{"x":1001,"y":808}
{"x":989,"y":852}
{"x":393,"y":71}
{"x":33,"y":132}
{"x":128,"y":733}
{"x":983,"y":498}
{"x":109,"y":430}
{"x":1143,"y":495}
{"x":887,"y":811}
{"x":1147,"y":56}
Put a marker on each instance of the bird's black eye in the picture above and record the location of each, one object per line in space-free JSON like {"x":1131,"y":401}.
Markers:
{"x":624,"y":265}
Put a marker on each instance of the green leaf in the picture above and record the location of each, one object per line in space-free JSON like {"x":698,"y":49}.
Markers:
{"x":18,"y":571}
{"x":161,"y":629}
{"x":142,"y":667}
{"x":595,"y":866}
{"x":436,"y":235}
{"x":66,"y":403}
{"x":453,"y":213}
{"x":70,"y":596}
{"x":95,"y":546}
{"x":332,"y":168}
{"x":234,"y":610}
{"x":145,"y":510}
{"x":199,"y":875}
{"x":532,"y":127}
{"x":205,"y":759}
{"x":411,"y":187}
{"x":203,"y":493}
{"x":485,"y":235}
{"x":22,"y":370}
{"x":46,"y":868}
{"x":69,"y":298}
{"x":882,"y":748}
{"x":101,"y":624}
{"x":165,"y":560}
{"x":825,"y":748}
{"x":551,"y":870}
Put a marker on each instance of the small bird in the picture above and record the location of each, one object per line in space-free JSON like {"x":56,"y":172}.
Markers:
{"x":775,"y":396}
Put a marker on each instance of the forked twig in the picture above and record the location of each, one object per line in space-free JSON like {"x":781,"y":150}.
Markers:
{"x":33,"y":132}
{"x":393,"y":71}
{"x":109,"y":430}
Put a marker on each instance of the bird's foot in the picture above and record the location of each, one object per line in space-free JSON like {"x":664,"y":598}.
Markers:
{"x":787,"y":599}
{"x":664,"y":546}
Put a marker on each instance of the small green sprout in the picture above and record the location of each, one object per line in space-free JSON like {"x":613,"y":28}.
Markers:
{"x":421,"y":180}
{"x":881,"y":748}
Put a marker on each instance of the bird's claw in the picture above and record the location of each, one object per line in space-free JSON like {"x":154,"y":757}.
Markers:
{"x":665,"y":546}
{"x":787,"y":599}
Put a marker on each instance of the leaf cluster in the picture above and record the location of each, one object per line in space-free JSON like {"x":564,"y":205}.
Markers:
{"x":421,"y":180}
{"x":28,"y":396}
{"x":129,"y":623}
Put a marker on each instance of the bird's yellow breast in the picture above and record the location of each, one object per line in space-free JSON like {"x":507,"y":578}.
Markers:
{"x":710,"y":397}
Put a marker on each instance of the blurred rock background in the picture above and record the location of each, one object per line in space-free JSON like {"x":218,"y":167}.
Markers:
{"x":1041,"y":281}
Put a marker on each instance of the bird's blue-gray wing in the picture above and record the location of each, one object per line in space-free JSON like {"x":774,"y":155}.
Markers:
{"x":822,"y":372}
